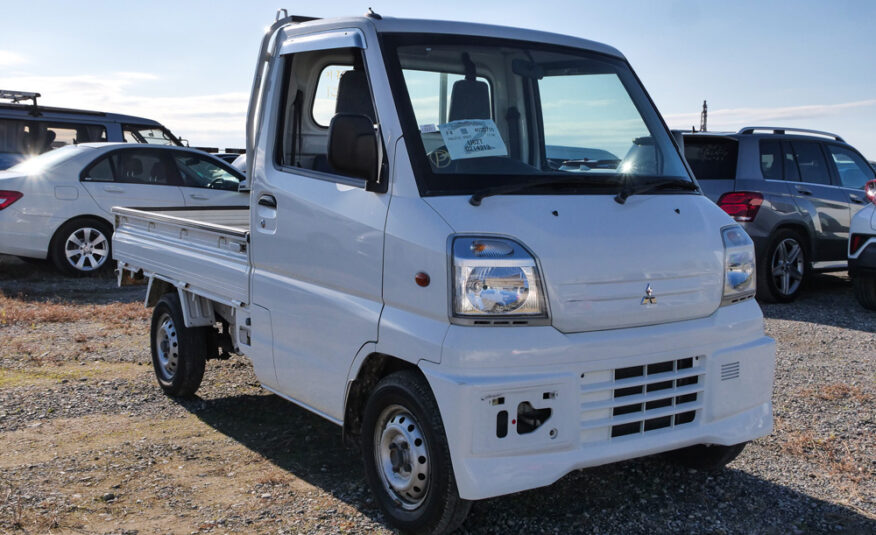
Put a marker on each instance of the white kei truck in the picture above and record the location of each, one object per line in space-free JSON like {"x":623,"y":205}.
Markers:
{"x":478,"y":250}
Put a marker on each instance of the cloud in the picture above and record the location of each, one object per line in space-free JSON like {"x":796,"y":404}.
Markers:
{"x":734,"y":118}
{"x":8,"y":59}
{"x":216,"y":119}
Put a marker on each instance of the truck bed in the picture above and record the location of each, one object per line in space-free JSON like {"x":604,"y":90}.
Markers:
{"x":204,"y":250}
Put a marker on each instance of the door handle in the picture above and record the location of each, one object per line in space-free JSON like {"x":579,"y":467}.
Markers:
{"x":113,"y":189}
{"x":804,"y":191}
{"x":199,"y":197}
{"x":856,"y":199}
{"x":268,"y":201}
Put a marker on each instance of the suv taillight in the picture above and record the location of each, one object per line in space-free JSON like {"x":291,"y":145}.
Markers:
{"x":870,"y":190}
{"x":8,"y":197}
{"x":741,"y":205}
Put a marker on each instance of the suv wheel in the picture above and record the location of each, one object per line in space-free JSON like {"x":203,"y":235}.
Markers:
{"x":783,"y":271}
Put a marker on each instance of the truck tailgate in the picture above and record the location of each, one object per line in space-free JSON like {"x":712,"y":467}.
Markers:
{"x":204,"y":250}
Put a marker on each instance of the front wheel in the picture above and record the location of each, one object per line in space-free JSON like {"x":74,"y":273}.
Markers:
{"x":406,"y":457}
{"x":865,"y":290}
{"x":783,"y":271}
{"x":178,"y":352}
{"x":708,"y":458}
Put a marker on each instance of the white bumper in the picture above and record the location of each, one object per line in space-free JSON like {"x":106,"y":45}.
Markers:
{"x":716,"y":372}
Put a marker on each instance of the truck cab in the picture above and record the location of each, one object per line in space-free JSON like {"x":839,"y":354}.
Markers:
{"x":476,"y":249}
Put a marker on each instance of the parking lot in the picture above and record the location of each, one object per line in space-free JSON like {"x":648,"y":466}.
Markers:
{"x":89,"y":444}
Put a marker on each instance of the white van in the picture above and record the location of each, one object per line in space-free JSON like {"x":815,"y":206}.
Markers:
{"x":475,"y":248}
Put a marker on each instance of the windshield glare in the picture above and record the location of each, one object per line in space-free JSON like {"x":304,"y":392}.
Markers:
{"x":493,"y":115}
{"x":38,"y":164}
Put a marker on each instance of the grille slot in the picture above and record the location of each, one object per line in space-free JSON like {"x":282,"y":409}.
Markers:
{"x":638,"y":399}
{"x":730,"y":371}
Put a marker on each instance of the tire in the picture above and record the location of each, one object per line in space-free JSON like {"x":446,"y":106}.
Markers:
{"x":865,"y":290}
{"x":707,"y":458}
{"x":403,"y":443}
{"x":178,"y":352}
{"x":82,"y":247}
{"x":784,"y":270}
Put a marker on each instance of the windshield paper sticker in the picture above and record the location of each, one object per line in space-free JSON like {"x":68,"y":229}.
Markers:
{"x":472,"y":138}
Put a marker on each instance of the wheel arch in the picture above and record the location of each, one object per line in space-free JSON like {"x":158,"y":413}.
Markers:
{"x":374,"y":367}
{"x":800,"y":228}
{"x":55,"y":233}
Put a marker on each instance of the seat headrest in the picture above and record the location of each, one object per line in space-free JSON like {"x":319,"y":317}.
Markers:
{"x":157,"y":172}
{"x":354,"y":96}
{"x":469,"y":99}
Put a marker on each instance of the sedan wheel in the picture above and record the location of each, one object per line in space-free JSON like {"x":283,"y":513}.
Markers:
{"x":87,"y":249}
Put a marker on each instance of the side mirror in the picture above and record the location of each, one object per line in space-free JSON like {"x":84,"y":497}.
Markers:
{"x":352,"y":147}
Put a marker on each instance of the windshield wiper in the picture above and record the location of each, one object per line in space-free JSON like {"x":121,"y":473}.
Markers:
{"x":648,"y":187}
{"x":478,"y":196}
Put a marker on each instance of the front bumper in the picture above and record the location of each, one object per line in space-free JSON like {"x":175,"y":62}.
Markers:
{"x":589,"y":382}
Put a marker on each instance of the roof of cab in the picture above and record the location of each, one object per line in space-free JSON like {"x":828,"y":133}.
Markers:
{"x":49,"y":112}
{"x":423,"y":26}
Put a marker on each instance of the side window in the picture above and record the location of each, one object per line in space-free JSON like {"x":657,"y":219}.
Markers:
{"x":152,"y":135}
{"x":326,"y":97}
{"x":143,"y":167}
{"x":810,"y":162}
{"x":771,"y":159}
{"x":791,"y":171}
{"x":59,"y":135}
{"x":852,"y":170}
{"x":320,"y":84}
{"x":100,"y":171}
{"x":198,"y":172}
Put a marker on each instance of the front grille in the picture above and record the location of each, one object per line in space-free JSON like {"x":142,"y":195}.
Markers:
{"x":638,"y":399}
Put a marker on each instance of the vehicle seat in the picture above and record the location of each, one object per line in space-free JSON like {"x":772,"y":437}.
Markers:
{"x":354,"y":96}
{"x":132,"y":168}
{"x":158,"y":173}
{"x":469,"y":99}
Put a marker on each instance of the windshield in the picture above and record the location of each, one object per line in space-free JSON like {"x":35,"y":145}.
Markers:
{"x":37,"y":164}
{"x":152,"y":135}
{"x":480,"y":115}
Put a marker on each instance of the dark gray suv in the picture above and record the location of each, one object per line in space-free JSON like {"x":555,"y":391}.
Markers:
{"x":793,"y":190}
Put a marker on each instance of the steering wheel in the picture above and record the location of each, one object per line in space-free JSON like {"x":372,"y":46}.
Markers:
{"x":440,"y":157}
{"x":215,"y":183}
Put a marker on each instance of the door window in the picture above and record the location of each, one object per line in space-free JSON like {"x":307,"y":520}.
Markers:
{"x":35,"y":137}
{"x":312,"y":100}
{"x":771,"y":159}
{"x":810,"y":162}
{"x":143,"y":167}
{"x":100,"y":171}
{"x":199,"y":172}
{"x":152,"y":135}
{"x":852,"y":170}
{"x":711,"y":158}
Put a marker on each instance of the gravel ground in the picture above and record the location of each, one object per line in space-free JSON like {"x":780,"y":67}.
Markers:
{"x":88,"y":444}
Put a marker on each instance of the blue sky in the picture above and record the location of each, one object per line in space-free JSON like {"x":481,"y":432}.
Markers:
{"x":189,"y":64}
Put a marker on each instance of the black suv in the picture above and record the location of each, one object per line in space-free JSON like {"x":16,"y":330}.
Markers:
{"x":793,"y":190}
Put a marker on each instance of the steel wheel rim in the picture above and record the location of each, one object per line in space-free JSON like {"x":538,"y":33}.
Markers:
{"x":167,"y":347}
{"x":86,"y":249}
{"x":787,"y":266}
{"x":401,"y":457}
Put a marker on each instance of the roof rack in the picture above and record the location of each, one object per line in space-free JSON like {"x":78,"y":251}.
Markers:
{"x":18,"y":96}
{"x":785,"y":129}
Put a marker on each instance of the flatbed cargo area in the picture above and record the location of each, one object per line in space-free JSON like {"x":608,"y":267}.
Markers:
{"x":204,"y":250}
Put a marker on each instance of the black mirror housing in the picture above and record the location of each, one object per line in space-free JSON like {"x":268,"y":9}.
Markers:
{"x":352,"y":147}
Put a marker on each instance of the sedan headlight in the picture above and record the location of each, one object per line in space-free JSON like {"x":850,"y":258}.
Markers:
{"x":495,"y":277}
{"x":739,"y":265}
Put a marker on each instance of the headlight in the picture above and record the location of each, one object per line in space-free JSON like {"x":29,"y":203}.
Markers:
{"x":739,"y":266}
{"x":495,"y":277}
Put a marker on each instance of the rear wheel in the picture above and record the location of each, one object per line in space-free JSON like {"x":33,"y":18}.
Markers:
{"x":407,"y":460}
{"x":82,"y":247}
{"x":783,"y":271}
{"x":865,"y":290}
{"x":708,"y":458}
{"x":178,"y":352}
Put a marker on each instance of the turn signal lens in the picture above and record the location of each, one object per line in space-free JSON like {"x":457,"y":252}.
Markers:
{"x":741,"y":205}
{"x":8,"y":197}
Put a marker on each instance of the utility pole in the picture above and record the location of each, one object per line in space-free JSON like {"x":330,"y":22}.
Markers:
{"x":703,"y":116}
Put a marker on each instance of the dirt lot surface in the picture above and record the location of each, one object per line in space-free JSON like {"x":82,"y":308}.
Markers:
{"x":89,"y":444}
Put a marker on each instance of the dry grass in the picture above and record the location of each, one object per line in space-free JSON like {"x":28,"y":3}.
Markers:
{"x":831,"y":452}
{"x":837,"y":392}
{"x":19,"y":311}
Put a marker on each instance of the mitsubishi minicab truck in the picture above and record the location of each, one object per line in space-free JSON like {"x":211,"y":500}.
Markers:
{"x":478,"y":251}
